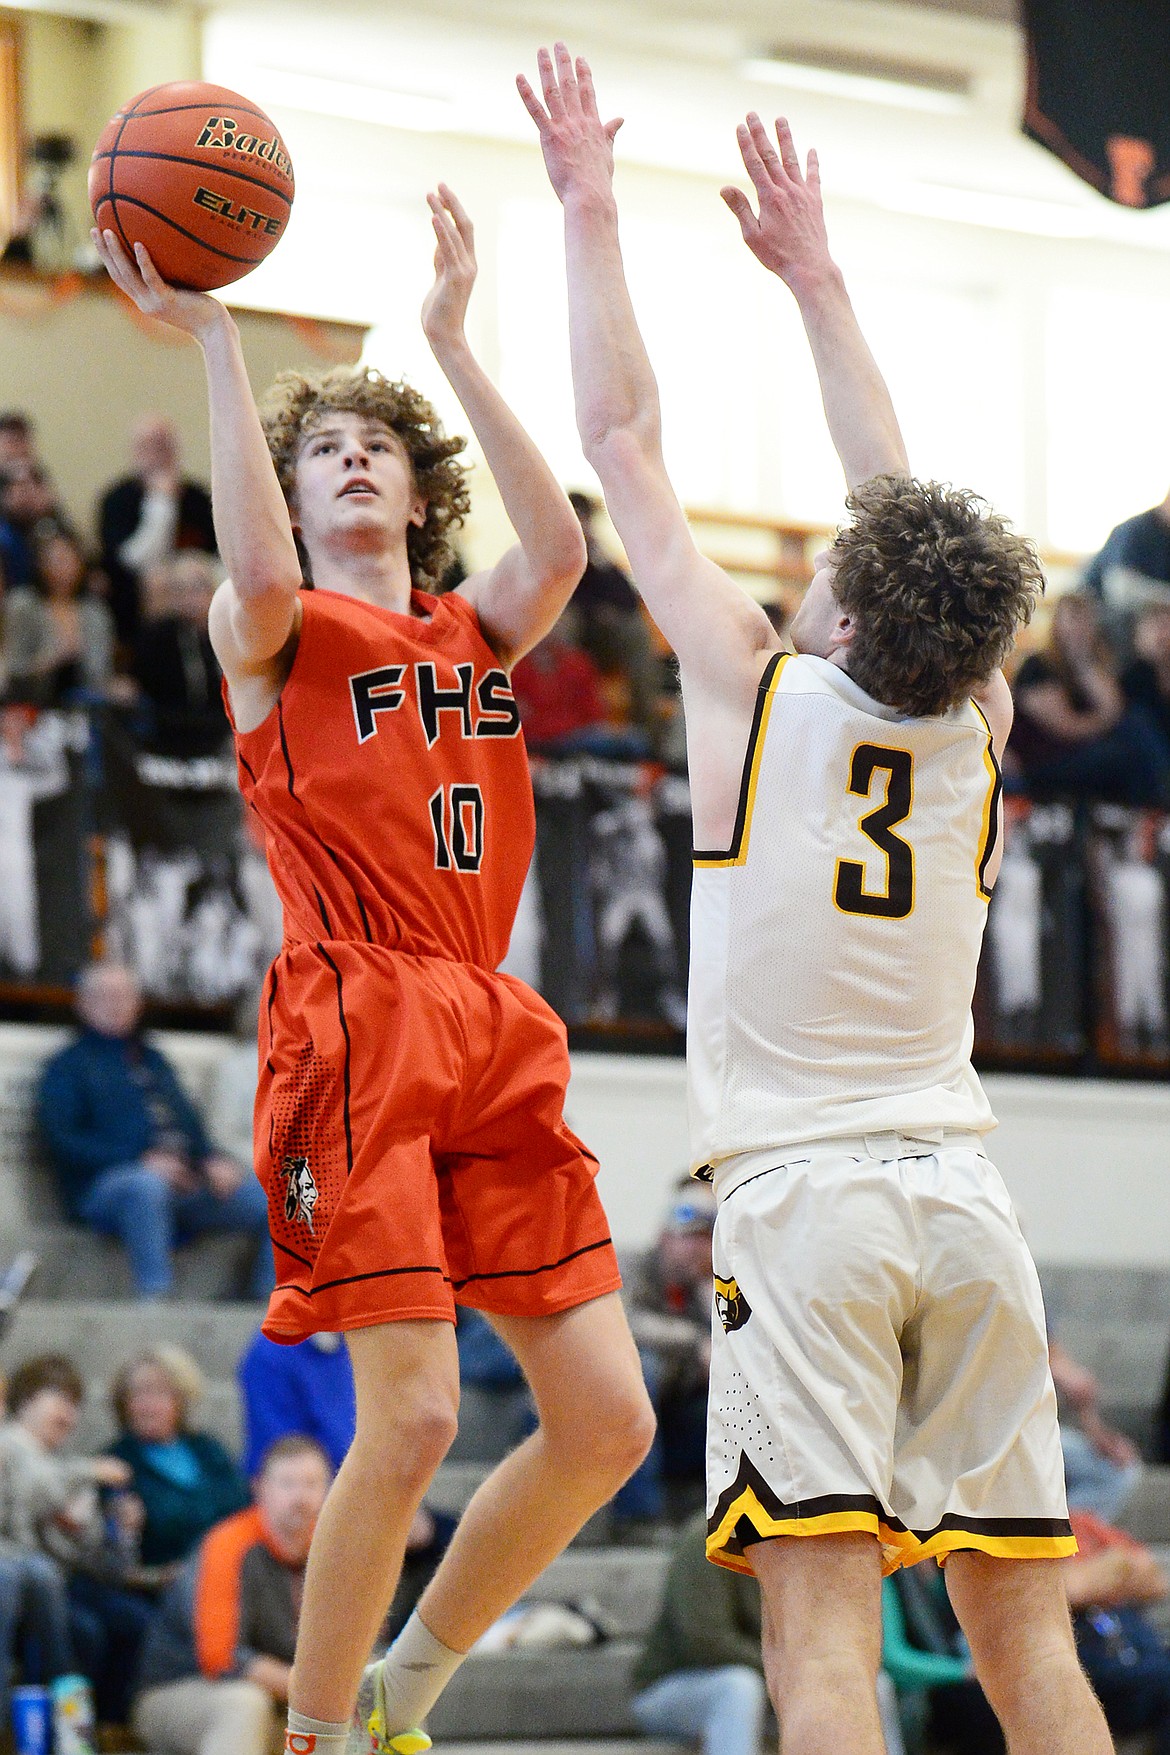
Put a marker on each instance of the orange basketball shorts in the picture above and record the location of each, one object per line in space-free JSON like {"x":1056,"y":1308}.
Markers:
{"x":410,"y":1135}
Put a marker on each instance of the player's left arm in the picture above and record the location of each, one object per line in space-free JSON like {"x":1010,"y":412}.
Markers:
{"x":520,"y":598}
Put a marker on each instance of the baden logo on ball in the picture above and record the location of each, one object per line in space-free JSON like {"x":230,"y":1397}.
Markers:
{"x":199,"y":175}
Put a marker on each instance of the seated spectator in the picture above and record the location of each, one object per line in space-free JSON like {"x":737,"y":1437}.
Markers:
{"x":232,"y":1100}
{"x":307,"y":1391}
{"x":146,"y":516}
{"x":668,"y":1300}
{"x":216,"y":1664}
{"x":174,"y":665}
{"x":927,"y":1660}
{"x":18,"y":440}
{"x":1146,"y":678}
{"x":185,"y":1479}
{"x":28,"y":513}
{"x":1101,"y":1465}
{"x":612,"y":628}
{"x":1132,"y":570}
{"x":59,"y":636}
{"x":1074,"y":734}
{"x":558,"y":691}
{"x":1111,"y":1583}
{"x":50,"y":1504}
{"x":130,"y":1150}
{"x":700,"y":1673}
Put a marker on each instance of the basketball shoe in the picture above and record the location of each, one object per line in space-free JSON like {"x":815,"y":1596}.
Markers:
{"x":367,"y":1733}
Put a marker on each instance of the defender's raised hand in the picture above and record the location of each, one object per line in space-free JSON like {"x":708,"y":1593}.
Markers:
{"x":445,"y":306}
{"x":788,"y":235}
{"x":577,"y":145}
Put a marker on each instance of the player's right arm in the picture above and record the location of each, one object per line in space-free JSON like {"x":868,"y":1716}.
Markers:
{"x":718,"y":633}
{"x":255,"y":613}
{"x":788,"y":236}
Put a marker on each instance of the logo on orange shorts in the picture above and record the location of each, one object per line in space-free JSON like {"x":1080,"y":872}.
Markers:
{"x":300,"y":1197}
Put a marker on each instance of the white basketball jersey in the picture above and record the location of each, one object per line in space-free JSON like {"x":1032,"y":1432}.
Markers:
{"x":834,"y":944}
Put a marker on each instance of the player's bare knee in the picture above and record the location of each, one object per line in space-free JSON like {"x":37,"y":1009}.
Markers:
{"x":622,"y":1431}
{"x":408,"y":1440}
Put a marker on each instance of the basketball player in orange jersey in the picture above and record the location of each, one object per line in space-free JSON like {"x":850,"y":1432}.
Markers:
{"x":409,"y":1119}
{"x":880,"y":1390}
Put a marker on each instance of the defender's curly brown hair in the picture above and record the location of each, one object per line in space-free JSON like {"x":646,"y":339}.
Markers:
{"x":297,"y":404}
{"x":937,"y":585}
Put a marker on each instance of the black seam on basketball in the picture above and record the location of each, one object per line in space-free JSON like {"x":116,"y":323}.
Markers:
{"x":196,"y":164}
{"x":133,"y":201}
{"x":527,"y":1273}
{"x":178,"y":109}
{"x":110,"y":195}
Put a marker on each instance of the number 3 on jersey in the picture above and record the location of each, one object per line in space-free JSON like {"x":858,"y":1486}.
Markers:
{"x":896,"y":899}
{"x":457,"y":824}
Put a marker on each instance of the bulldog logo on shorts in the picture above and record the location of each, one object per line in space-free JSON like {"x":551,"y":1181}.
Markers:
{"x":731,"y":1307}
{"x":301,"y":1194}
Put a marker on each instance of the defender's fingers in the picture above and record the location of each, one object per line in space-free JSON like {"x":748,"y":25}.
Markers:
{"x":812,"y":175}
{"x":531,"y":102}
{"x":741,"y":207}
{"x":753,"y":164}
{"x":585,"y":87}
{"x":548,"y":83}
{"x":458,"y":213}
{"x":611,"y":128}
{"x":566,"y":78}
{"x":763,"y":145}
{"x":788,"y":153}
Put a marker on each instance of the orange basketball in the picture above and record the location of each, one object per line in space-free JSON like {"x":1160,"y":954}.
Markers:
{"x":197,"y":174}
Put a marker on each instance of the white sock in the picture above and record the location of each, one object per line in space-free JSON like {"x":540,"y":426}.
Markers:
{"x":415,"y":1671}
{"x":313,"y":1736}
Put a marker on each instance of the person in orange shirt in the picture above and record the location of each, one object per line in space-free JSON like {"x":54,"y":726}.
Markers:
{"x":409,"y":1120}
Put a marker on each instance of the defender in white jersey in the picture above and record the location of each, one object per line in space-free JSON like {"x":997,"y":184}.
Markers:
{"x":880,"y":1387}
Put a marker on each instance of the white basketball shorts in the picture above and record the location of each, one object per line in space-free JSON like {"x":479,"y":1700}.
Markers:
{"x":879,"y":1358}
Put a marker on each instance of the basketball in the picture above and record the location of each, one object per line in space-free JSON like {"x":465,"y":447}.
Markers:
{"x":197,"y":174}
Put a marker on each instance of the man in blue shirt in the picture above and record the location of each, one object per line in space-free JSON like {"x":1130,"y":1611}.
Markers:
{"x":132,"y":1156}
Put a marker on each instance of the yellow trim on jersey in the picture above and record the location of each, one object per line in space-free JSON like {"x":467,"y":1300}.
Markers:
{"x":738,"y":852}
{"x":829,"y":1523}
{"x":1003,"y":1547}
{"x":994,"y":784}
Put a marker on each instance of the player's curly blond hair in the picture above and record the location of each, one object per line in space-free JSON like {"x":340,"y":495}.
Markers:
{"x":296,"y":405}
{"x":938,"y":586}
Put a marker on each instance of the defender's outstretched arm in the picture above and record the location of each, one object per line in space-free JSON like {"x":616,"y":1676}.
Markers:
{"x":717,"y":631}
{"x":520,"y":598}
{"x":788,"y":236}
{"x":253,"y":613}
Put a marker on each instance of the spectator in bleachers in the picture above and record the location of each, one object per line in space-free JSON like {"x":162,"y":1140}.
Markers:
{"x":59,"y":635}
{"x":1101,"y":1465}
{"x":146,"y":516}
{"x":1112,"y":1582}
{"x":18,"y":442}
{"x":927,"y":1660}
{"x":613,"y":630}
{"x":51,"y":1504}
{"x":216,"y":1665}
{"x":130,"y":1149}
{"x":185,"y":1478}
{"x":1146,"y":678}
{"x":558,"y":691}
{"x":305,"y":1389}
{"x":174,"y":665}
{"x":668,"y":1300}
{"x":1132,"y":569}
{"x":28,"y":513}
{"x":1074,"y":734}
{"x":232,"y":1099}
{"x":700,"y":1674}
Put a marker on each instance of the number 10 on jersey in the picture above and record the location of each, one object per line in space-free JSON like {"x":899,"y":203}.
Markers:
{"x":894,"y":900}
{"x":457,"y":824}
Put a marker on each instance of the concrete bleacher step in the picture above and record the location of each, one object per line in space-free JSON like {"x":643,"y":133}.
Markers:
{"x":539,"y":1694}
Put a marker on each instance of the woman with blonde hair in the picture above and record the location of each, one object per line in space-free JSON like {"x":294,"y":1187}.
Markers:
{"x":185,"y":1478}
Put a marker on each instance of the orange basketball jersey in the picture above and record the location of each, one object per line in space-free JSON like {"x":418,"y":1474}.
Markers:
{"x":392,"y":781}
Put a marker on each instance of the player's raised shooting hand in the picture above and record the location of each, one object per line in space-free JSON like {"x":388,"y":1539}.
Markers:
{"x":788,"y":234}
{"x":577,"y":145}
{"x":445,"y":306}
{"x":195,"y":313}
